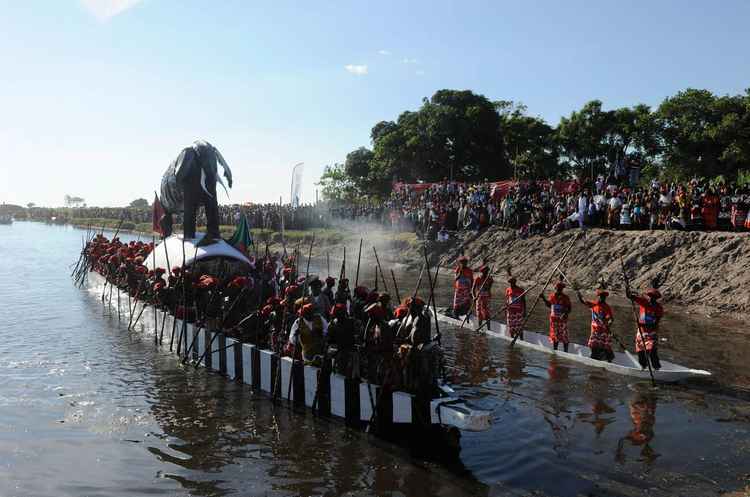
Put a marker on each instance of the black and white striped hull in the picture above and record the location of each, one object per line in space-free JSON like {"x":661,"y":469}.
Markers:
{"x":349,"y":399}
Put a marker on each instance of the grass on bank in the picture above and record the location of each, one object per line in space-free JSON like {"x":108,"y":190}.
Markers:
{"x":324,"y":236}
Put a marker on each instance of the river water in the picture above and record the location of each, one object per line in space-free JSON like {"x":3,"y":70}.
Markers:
{"x":88,"y":408}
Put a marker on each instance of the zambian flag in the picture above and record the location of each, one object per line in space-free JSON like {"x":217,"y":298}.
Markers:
{"x":241,"y":240}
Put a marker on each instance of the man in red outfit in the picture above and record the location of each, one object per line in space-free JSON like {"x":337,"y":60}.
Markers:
{"x":560,"y":307}
{"x":650,"y":313}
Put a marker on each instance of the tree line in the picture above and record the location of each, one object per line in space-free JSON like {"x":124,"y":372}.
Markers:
{"x":461,"y":135}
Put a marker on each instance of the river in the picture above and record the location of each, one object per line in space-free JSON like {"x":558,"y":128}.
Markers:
{"x":88,"y":408}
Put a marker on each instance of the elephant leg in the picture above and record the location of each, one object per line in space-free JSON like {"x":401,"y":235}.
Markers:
{"x":166,"y":223}
{"x":212,"y":212}
{"x":191,"y":206}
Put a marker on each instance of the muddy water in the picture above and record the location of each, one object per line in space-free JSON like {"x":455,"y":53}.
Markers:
{"x":87,"y":408}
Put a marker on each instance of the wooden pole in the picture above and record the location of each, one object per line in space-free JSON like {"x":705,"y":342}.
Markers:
{"x":359,"y":259}
{"x":536,"y":301}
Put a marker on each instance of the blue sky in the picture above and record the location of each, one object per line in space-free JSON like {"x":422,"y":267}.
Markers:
{"x":98,"y":96}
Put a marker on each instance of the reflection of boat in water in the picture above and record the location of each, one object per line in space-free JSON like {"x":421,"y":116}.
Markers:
{"x":6,"y":219}
{"x":623,"y":363}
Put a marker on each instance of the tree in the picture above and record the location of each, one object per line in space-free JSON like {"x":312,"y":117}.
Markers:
{"x":139,"y":203}
{"x":336,"y":185}
{"x":529,"y":142}
{"x":31,"y":205}
{"x":592,"y":139}
{"x":704,"y":135}
{"x":454,"y":134}
{"x":71,"y":201}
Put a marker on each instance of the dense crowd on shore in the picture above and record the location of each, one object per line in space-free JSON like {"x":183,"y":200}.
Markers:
{"x":540,"y":207}
{"x":530,"y":207}
{"x":266,"y":216}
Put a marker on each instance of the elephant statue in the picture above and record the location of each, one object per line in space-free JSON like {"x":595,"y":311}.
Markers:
{"x":189,"y":181}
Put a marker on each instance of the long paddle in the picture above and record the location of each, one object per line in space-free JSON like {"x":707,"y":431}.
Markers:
{"x":379,"y":268}
{"x":359,"y":259}
{"x":432,"y":294}
{"x":551,"y":275}
{"x":395,"y":287}
{"x":635,"y":315}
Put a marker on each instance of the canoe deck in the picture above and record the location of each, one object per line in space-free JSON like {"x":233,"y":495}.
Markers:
{"x":624,"y":363}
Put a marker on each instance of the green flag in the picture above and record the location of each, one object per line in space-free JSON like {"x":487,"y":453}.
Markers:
{"x":241,"y":239}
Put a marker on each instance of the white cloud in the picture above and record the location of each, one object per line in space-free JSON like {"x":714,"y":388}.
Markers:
{"x":107,"y":9}
{"x":384,"y":52}
{"x":409,"y":61}
{"x":358,"y":70}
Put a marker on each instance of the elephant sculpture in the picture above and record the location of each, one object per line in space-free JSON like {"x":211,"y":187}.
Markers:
{"x":190,"y":180}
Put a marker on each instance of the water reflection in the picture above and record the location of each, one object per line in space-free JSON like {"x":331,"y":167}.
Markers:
{"x":642,"y":409}
{"x":597,"y":392}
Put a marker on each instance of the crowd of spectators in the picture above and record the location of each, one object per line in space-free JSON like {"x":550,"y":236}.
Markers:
{"x":530,"y":207}
{"x":267,"y":216}
{"x":539,"y":207}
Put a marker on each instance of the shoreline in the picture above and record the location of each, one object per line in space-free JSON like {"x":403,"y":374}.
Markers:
{"x":707,"y":273}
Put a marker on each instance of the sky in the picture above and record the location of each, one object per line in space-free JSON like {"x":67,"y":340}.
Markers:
{"x":97,"y":97}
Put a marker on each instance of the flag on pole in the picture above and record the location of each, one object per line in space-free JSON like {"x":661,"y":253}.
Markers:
{"x":241,"y":239}
{"x":157,"y":216}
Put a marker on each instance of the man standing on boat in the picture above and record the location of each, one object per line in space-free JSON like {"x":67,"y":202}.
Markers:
{"x":650,"y":312}
{"x":560,"y":307}
{"x":309,"y":331}
{"x":515,"y":301}
{"x":482,"y":292}
{"x":328,"y":290}
{"x":342,"y":338}
{"x":320,"y":300}
{"x":464,"y":277}
{"x":600,"y":340}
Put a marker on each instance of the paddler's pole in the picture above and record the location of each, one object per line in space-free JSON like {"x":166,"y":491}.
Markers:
{"x":183,"y":327}
{"x":359,"y":258}
{"x":432,"y":294}
{"x":536,"y":301}
{"x":379,"y":268}
{"x":637,"y":325}
{"x":156,"y":317}
{"x":395,"y":287}
{"x":342,"y":274}
{"x":328,"y":262}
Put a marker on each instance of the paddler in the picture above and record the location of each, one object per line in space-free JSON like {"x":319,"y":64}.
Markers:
{"x":600,"y":340}
{"x":464,"y":277}
{"x":320,"y":300}
{"x":309,"y":330}
{"x":482,"y":293}
{"x":328,"y":290}
{"x":650,"y":312}
{"x":515,"y":301}
{"x":560,"y":307}
{"x":342,"y":340}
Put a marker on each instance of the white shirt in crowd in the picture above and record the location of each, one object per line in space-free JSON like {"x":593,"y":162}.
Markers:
{"x":295,"y":328}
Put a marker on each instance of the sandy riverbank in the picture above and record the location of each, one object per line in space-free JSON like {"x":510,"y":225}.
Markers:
{"x":705,"y":272}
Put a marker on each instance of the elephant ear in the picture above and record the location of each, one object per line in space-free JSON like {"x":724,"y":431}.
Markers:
{"x":185,"y":162}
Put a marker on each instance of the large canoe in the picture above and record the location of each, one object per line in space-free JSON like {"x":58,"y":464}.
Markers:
{"x":624,"y":363}
{"x":352,"y":400}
